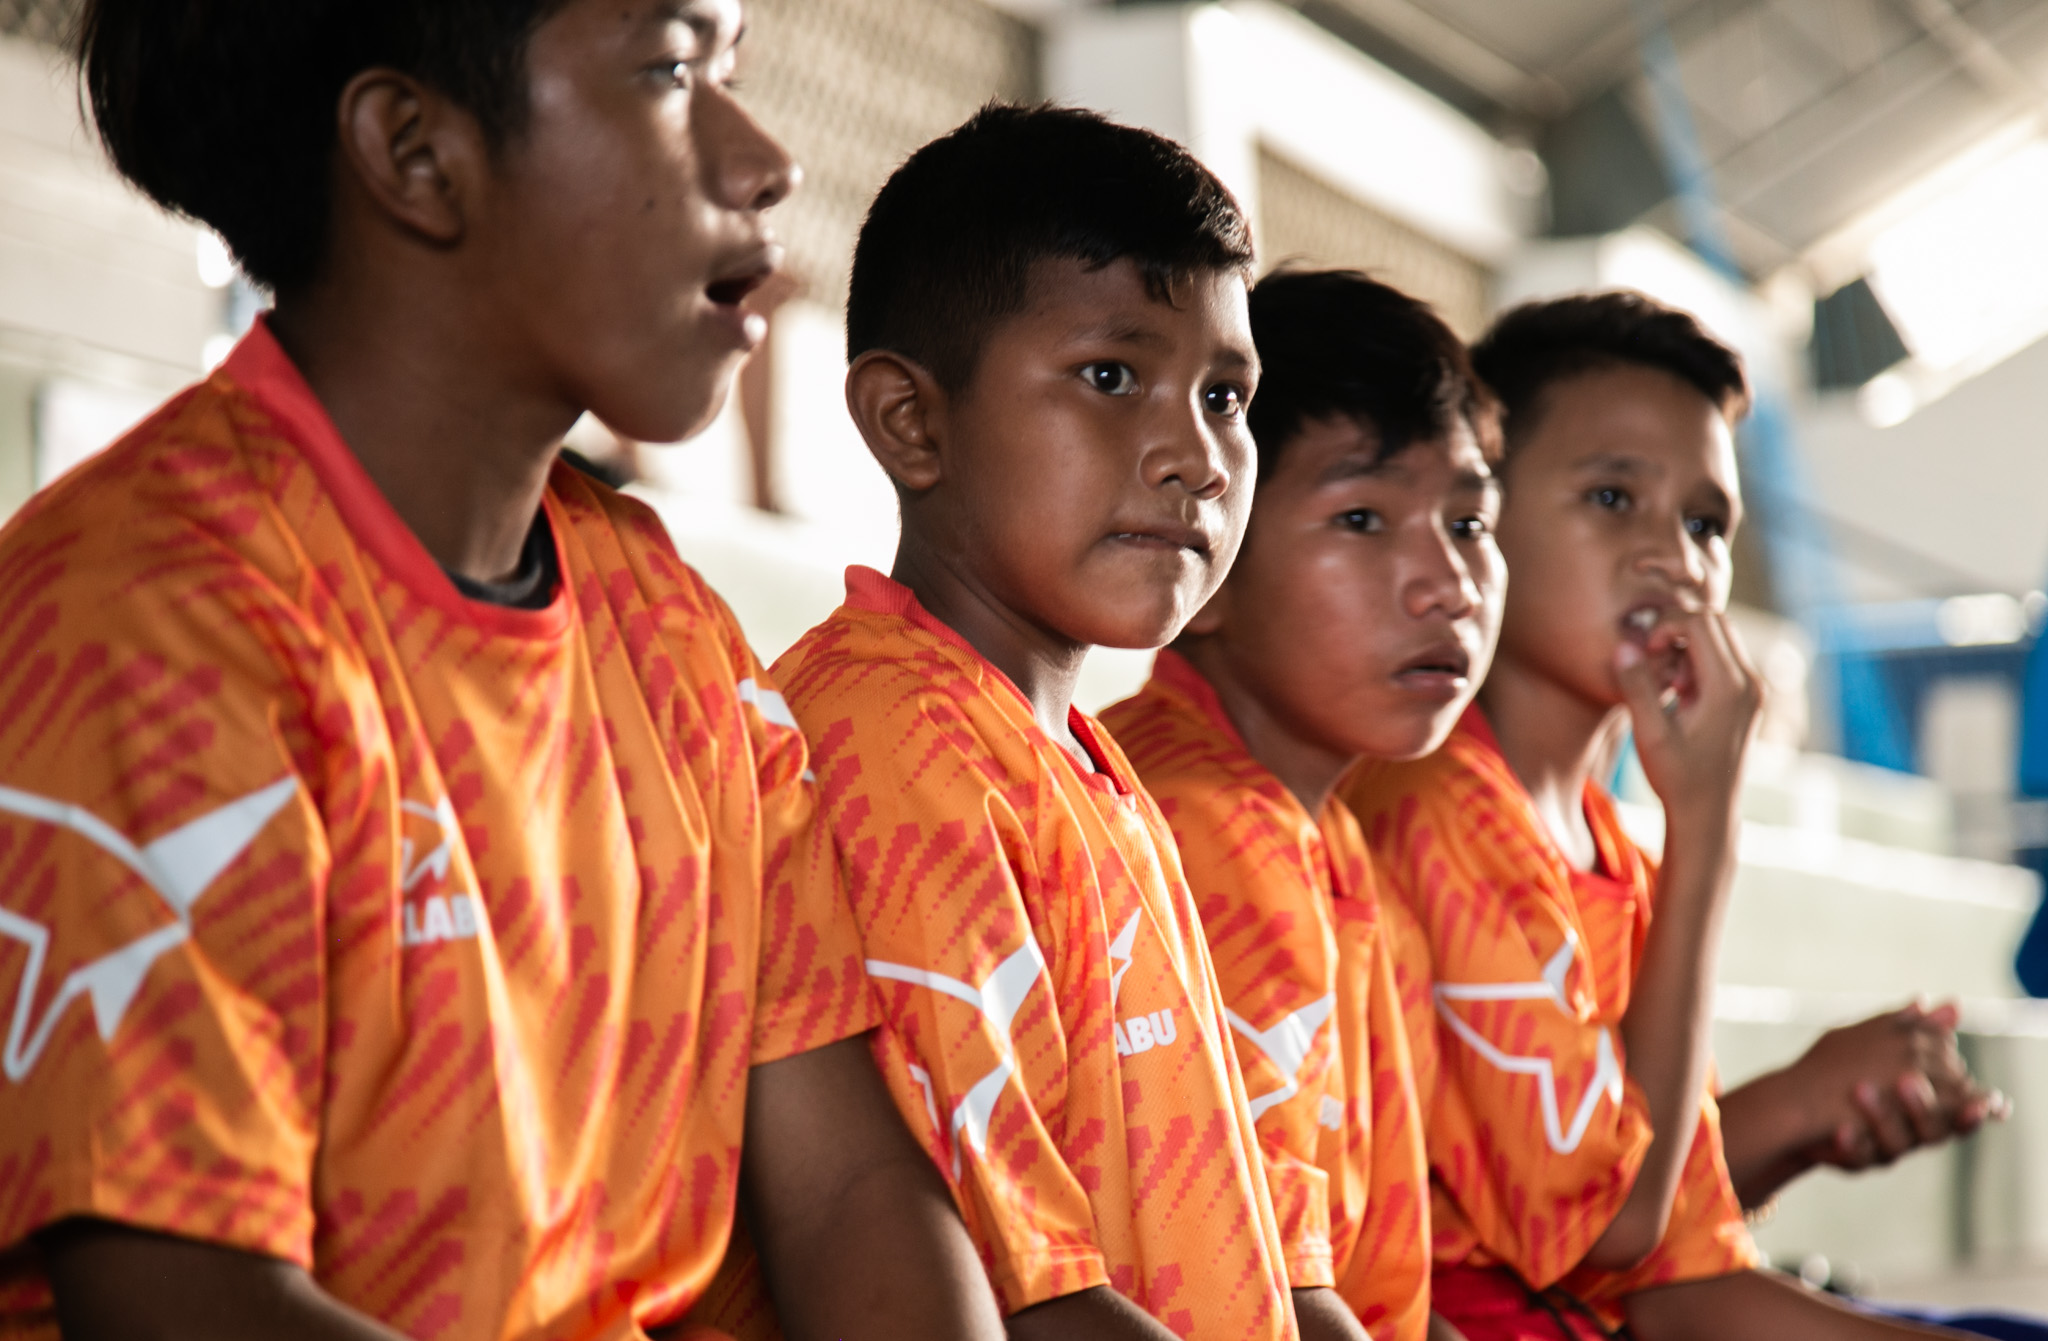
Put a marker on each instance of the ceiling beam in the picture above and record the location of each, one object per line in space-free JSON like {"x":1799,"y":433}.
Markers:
{"x":1460,"y":55}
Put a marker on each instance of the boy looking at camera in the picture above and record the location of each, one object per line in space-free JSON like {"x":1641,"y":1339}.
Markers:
{"x":1356,"y":623}
{"x":428,"y":931}
{"x":1050,"y":358}
{"x":1576,"y":1148}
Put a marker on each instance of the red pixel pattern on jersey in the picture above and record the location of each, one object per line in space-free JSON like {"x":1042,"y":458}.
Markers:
{"x":420,"y":942}
{"x":1052,"y":1031}
{"x":1293,"y":919}
{"x":1535,"y":1130}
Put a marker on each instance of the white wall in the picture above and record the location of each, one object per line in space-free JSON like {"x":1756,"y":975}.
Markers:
{"x":102,"y":311}
{"x":1226,"y":79}
{"x":1965,"y":480}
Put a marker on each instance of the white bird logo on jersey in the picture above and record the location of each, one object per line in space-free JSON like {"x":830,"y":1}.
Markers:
{"x":998,"y":997}
{"x":180,"y":866}
{"x":1607,"y":1078}
{"x":1286,"y":1045}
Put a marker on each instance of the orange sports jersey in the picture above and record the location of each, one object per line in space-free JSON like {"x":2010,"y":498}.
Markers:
{"x":1051,"y":1030}
{"x":1293,"y":921}
{"x":421,"y":942}
{"x":1535,"y":1128}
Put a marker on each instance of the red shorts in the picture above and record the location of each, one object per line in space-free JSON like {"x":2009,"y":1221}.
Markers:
{"x":1493,"y":1304}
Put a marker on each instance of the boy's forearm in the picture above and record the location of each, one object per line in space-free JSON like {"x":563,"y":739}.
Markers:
{"x":1323,"y":1315}
{"x":1097,"y":1314}
{"x":116,"y":1283}
{"x":858,"y":1236}
{"x":1759,"y":1306}
{"x":1665,"y":1031}
{"x":1767,"y":1137}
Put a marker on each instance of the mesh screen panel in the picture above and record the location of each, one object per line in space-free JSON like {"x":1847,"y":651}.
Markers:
{"x":1303,"y":218}
{"x":852,"y":87}
{"x":41,"y":20}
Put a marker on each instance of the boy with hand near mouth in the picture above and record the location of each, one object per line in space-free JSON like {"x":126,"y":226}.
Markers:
{"x":429,"y":928}
{"x":1576,"y":1147}
{"x":1050,"y":357}
{"x":1356,"y":622}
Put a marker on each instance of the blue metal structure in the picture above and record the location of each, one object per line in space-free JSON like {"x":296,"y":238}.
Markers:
{"x":2032,"y":962}
{"x":1802,"y":566}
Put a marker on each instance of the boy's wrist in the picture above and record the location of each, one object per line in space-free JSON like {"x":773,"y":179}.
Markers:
{"x":1704,"y":820}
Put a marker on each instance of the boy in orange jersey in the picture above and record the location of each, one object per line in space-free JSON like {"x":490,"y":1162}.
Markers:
{"x":414,"y":913}
{"x":1356,"y":622}
{"x":1577,"y":1151}
{"x":1050,"y":358}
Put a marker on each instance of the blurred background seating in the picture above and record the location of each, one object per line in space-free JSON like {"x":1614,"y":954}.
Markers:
{"x":1852,"y":192}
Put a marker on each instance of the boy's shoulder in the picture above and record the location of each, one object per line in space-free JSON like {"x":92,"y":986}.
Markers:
{"x":184,"y":517}
{"x":1464,"y":772}
{"x":1190,"y":760}
{"x":893,"y":707}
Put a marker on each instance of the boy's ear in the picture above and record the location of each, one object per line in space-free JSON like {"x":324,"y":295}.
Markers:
{"x":899,"y":408}
{"x":411,"y":150}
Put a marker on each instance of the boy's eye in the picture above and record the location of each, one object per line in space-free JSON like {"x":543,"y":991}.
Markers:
{"x":1706,"y":528}
{"x":1609,"y":497}
{"x":1363,"y":520}
{"x":1224,"y":399}
{"x":1469,"y":528}
{"x":1111,"y":379}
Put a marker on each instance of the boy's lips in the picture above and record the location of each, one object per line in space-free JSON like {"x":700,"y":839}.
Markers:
{"x":1642,"y":618}
{"x":1441,"y":670}
{"x":1171,"y":535}
{"x":736,"y":281}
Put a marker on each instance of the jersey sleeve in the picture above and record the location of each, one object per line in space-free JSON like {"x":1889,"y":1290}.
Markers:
{"x":810,"y":987}
{"x":1706,"y":1235}
{"x":1275,"y":964}
{"x":1536,"y":1130}
{"x":165,"y":831}
{"x":974,"y":1045}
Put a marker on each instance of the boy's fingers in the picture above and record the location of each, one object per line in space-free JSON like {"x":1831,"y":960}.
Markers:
{"x":1888,"y":1130}
{"x":1637,"y":677}
{"x":1923,"y":1109}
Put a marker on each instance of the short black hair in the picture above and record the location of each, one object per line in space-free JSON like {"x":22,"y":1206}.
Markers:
{"x":224,"y":110}
{"x":947,"y":248}
{"x":1339,"y":343}
{"x":1532,"y":347}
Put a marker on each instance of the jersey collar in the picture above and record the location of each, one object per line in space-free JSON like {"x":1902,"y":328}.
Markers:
{"x":260,"y":367}
{"x":878,"y":593}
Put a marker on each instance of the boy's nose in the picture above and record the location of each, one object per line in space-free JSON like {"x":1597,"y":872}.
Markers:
{"x":1186,"y":452}
{"x":1670,"y":552}
{"x":1439,"y":580}
{"x":748,"y":168}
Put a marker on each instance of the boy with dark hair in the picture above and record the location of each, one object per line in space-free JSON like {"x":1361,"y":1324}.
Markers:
{"x":1356,"y":623}
{"x":1575,"y":1144}
{"x":439,"y":867}
{"x":1050,"y":358}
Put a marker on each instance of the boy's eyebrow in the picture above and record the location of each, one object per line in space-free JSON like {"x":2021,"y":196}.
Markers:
{"x":1356,"y":466}
{"x":1616,"y":463}
{"x":691,"y":15}
{"x":1476,"y":482}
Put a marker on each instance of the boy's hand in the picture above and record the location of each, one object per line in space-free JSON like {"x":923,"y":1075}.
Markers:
{"x":1892,"y":1084}
{"x":1693,"y":700}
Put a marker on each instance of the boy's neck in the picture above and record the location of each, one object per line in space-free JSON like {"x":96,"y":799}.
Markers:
{"x":1553,"y":740}
{"x":1043,"y":665}
{"x":454,"y":438}
{"x":1308,"y":769}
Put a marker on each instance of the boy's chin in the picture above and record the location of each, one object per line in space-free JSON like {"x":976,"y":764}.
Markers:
{"x":682,"y":409}
{"x":1142,"y":633}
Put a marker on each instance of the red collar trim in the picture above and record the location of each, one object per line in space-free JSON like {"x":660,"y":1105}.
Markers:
{"x":260,"y":366}
{"x":881,"y":594}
